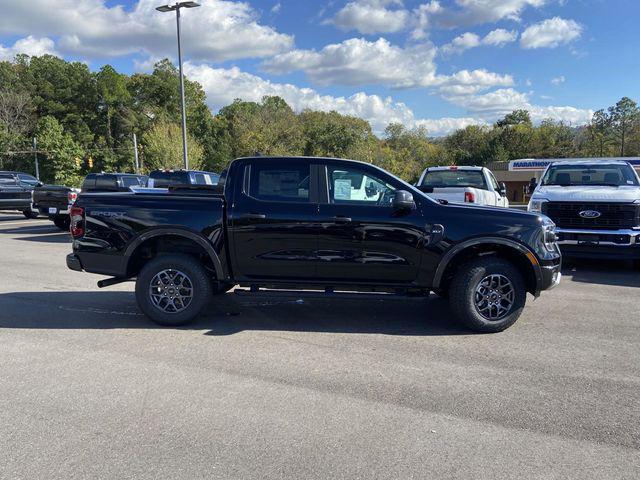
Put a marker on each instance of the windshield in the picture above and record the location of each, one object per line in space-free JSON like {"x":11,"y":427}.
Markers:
{"x":606,"y":175}
{"x":454,"y":178}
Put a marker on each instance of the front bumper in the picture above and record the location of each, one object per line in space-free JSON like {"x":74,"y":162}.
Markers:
{"x":599,"y":243}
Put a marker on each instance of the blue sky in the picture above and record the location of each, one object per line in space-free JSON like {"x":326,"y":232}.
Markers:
{"x":438,"y":64}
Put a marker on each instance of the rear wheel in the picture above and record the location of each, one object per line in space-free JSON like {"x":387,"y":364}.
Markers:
{"x":62,"y":222}
{"x":488,"y":295}
{"x":173,"y":289}
{"x":30,"y":214}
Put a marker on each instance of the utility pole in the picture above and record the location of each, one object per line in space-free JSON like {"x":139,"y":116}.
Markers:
{"x":135,"y":153}
{"x":176,"y":8}
{"x":35,"y":156}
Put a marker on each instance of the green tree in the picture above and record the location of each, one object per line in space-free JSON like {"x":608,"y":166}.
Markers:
{"x":162,"y":148}
{"x":517,"y":117}
{"x":624,"y":116}
{"x":62,"y":162}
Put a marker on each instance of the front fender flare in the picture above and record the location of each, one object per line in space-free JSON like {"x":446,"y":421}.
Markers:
{"x":526,"y":251}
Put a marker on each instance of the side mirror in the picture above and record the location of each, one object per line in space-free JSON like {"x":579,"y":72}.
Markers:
{"x":503,"y":189}
{"x":39,"y":184}
{"x":402,"y":201}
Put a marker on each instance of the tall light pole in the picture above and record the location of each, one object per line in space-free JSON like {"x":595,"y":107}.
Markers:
{"x":170,"y":8}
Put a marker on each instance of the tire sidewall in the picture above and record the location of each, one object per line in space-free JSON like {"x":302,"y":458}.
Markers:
{"x":199,"y":280}
{"x":464,"y":288}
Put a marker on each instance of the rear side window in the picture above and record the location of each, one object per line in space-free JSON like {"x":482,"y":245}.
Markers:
{"x":31,"y":180}
{"x":280,"y":182}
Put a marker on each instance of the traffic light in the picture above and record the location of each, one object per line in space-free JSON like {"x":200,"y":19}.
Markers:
{"x":90,"y":162}
{"x":77,"y":162}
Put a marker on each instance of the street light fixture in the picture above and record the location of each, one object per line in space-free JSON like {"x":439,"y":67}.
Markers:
{"x":170,"y":8}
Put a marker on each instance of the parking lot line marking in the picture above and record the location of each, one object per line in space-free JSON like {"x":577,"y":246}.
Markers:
{"x":25,"y":224}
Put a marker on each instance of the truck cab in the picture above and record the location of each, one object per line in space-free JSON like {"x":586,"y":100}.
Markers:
{"x":595,"y":205}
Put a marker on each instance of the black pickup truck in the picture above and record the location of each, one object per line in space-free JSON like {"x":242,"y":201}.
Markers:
{"x":16,"y":192}
{"x":313,"y":223}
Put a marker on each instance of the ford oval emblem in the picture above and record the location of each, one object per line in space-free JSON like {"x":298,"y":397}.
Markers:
{"x":590,"y":214}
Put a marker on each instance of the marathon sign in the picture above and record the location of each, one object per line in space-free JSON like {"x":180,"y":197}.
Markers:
{"x":535,"y":164}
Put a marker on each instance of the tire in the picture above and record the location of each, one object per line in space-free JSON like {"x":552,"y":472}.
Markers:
{"x":30,"y":214}
{"x":468,"y":297}
{"x":62,"y":222}
{"x":160,"y":309}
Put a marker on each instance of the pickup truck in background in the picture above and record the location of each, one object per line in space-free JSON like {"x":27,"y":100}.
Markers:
{"x":595,"y":205}
{"x":56,"y":201}
{"x":461,"y":184}
{"x":178,"y":178}
{"x":318,"y":223}
{"x":16,"y":191}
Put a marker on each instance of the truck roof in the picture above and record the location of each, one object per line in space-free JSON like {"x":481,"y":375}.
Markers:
{"x":592,"y":162}
{"x":455,"y":167}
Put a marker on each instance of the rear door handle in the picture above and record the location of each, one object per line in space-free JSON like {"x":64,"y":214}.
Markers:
{"x":254,"y":216}
{"x":341,"y":219}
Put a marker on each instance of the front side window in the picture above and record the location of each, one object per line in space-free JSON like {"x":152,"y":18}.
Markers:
{"x":272,"y":181}
{"x":27,"y":179}
{"x":358,"y":186}
{"x":133,"y":181}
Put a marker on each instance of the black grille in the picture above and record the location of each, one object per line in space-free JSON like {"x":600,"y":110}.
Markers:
{"x":612,"y":215}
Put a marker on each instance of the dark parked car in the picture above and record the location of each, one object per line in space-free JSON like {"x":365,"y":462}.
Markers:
{"x":313,"y":223}
{"x":176,"y":178}
{"x":16,"y":192}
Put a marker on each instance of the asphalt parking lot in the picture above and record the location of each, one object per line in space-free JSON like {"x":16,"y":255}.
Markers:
{"x":305,"y":386}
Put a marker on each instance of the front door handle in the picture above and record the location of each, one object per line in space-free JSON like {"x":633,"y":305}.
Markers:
{"x":254,"y":216}
{"x":341,"y":219}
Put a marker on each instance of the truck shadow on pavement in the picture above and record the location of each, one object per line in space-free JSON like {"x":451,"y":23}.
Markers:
{"x":233,"y":313}
{"x":617,"y":273}
{"x":45,"y":233}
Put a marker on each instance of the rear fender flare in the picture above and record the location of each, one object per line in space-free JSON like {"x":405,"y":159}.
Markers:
{"x":164,"y":232}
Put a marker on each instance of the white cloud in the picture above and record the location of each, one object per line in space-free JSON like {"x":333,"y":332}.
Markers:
{"x":558,"y":80}
{"x":360,"y":62}
{"x":32,"y":46}
{"x":372,"y":16}
{"x":550,"y":33}
{"x":499,"y":37}
{"x":461,"y":43}
{"x":476,"y":12}
{"x":498,"y":103}
{"x":218,"y":30}
{"x":276,"y":8}
{"x":222,"y":86}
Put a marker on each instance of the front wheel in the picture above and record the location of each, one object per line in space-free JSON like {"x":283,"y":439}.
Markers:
{"x":173,"y":289}
{"x":488,"y":295}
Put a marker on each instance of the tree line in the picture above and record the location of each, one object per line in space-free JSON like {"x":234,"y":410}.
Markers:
{"x":84,"y":122}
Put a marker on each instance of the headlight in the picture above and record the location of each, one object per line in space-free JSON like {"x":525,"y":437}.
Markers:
{"x":549,"y":234}
{"x":535,"y":204}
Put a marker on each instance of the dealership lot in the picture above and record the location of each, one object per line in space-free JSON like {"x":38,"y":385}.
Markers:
{"x":306,"y":386}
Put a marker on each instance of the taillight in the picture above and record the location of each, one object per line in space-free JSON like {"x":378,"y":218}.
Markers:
{"x":469,"y":197}
{"x":71,"y":197}
{"x":77,"y":222}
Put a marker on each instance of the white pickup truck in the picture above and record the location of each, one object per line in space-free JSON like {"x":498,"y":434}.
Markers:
{"x":463,"y":185}
{"x":595,"y":206}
